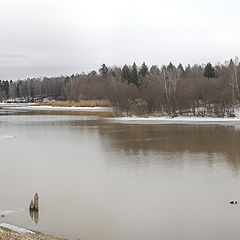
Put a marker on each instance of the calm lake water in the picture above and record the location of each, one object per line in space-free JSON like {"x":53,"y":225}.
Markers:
{"x":104,"y":180}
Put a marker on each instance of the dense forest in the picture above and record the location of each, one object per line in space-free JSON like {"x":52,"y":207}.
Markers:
{"x":197,"y":90}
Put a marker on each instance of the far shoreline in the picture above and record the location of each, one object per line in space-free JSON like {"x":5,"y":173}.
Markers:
{"x":108,"y":113}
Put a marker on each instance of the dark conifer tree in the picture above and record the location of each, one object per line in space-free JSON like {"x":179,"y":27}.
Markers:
{"x":170,"y":66}
{"x":180,"y":67}
{"x":103,"y":70}
{"x":126,"y":74}
{"x":180,"y":70}
{"x":143,"y":70}
{"x":92,"y":73}
{"x":209,"y":71}
{"x":135,"y":77}
{"x":155,"y":70}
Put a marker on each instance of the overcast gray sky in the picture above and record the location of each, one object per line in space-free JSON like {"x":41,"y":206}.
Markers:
{"x":60,"y":37}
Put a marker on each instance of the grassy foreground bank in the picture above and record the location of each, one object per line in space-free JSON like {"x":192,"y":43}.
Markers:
{"x":6,"y":234}
{"x":81,"y":103}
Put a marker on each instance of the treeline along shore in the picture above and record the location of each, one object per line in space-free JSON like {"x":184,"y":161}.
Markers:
{"x":200,"y":90}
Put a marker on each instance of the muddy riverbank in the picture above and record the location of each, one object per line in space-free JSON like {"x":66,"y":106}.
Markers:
{"x":6,"y":234}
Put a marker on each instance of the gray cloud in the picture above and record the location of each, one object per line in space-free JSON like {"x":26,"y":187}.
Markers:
{"x":60,"y":37}
{"x":14,"y":56}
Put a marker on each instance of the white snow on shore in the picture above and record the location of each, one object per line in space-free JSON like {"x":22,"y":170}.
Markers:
{"x":89,"y":109}
{"x":15,"y":228}
{"x":198,"y":119}
{"x":176,"y":120}
{"x":180,"y":119}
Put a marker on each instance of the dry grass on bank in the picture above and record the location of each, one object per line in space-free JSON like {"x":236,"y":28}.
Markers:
{"x":6,"y":234}
{"x":81,"y":103}
{"x":146,"y":115}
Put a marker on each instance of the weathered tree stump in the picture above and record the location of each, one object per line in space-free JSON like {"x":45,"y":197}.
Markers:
{"x":36,"y":203}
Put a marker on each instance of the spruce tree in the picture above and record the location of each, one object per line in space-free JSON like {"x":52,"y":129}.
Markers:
{"x":180,"y":70}
{"x":126,"y":74}
{"x":103,"y":70}
{"x":170,"y":66}
{"x":180,"y":67}
{"x":143,"y":70}
{"x":209,"y":71}
{"x":154,"y":70}
{"x":134,"y":73}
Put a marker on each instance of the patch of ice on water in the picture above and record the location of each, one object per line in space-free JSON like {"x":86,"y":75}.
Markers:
{"x":7,"y":212}
{"x":15,"y":228}
{"x":5,"y":136}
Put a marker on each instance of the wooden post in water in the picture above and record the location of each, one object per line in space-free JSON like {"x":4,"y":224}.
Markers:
{"x":36,"y":203}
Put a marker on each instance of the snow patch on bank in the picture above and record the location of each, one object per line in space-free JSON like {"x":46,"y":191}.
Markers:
{"x":16,"y":229}
{"x":182,"y":119}
{"x":179,"y":119}
{"x":89,"y":109}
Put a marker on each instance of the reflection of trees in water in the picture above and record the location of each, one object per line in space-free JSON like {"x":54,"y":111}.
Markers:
{"x":168,"y":139}
{"x":34,"y":215}
{"x":177,"y":139}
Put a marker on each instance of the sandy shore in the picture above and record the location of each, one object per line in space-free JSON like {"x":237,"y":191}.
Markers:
{"x":6,"y":234}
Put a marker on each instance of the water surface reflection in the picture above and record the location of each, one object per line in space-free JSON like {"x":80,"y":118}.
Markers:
{"x":103,"y":180}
